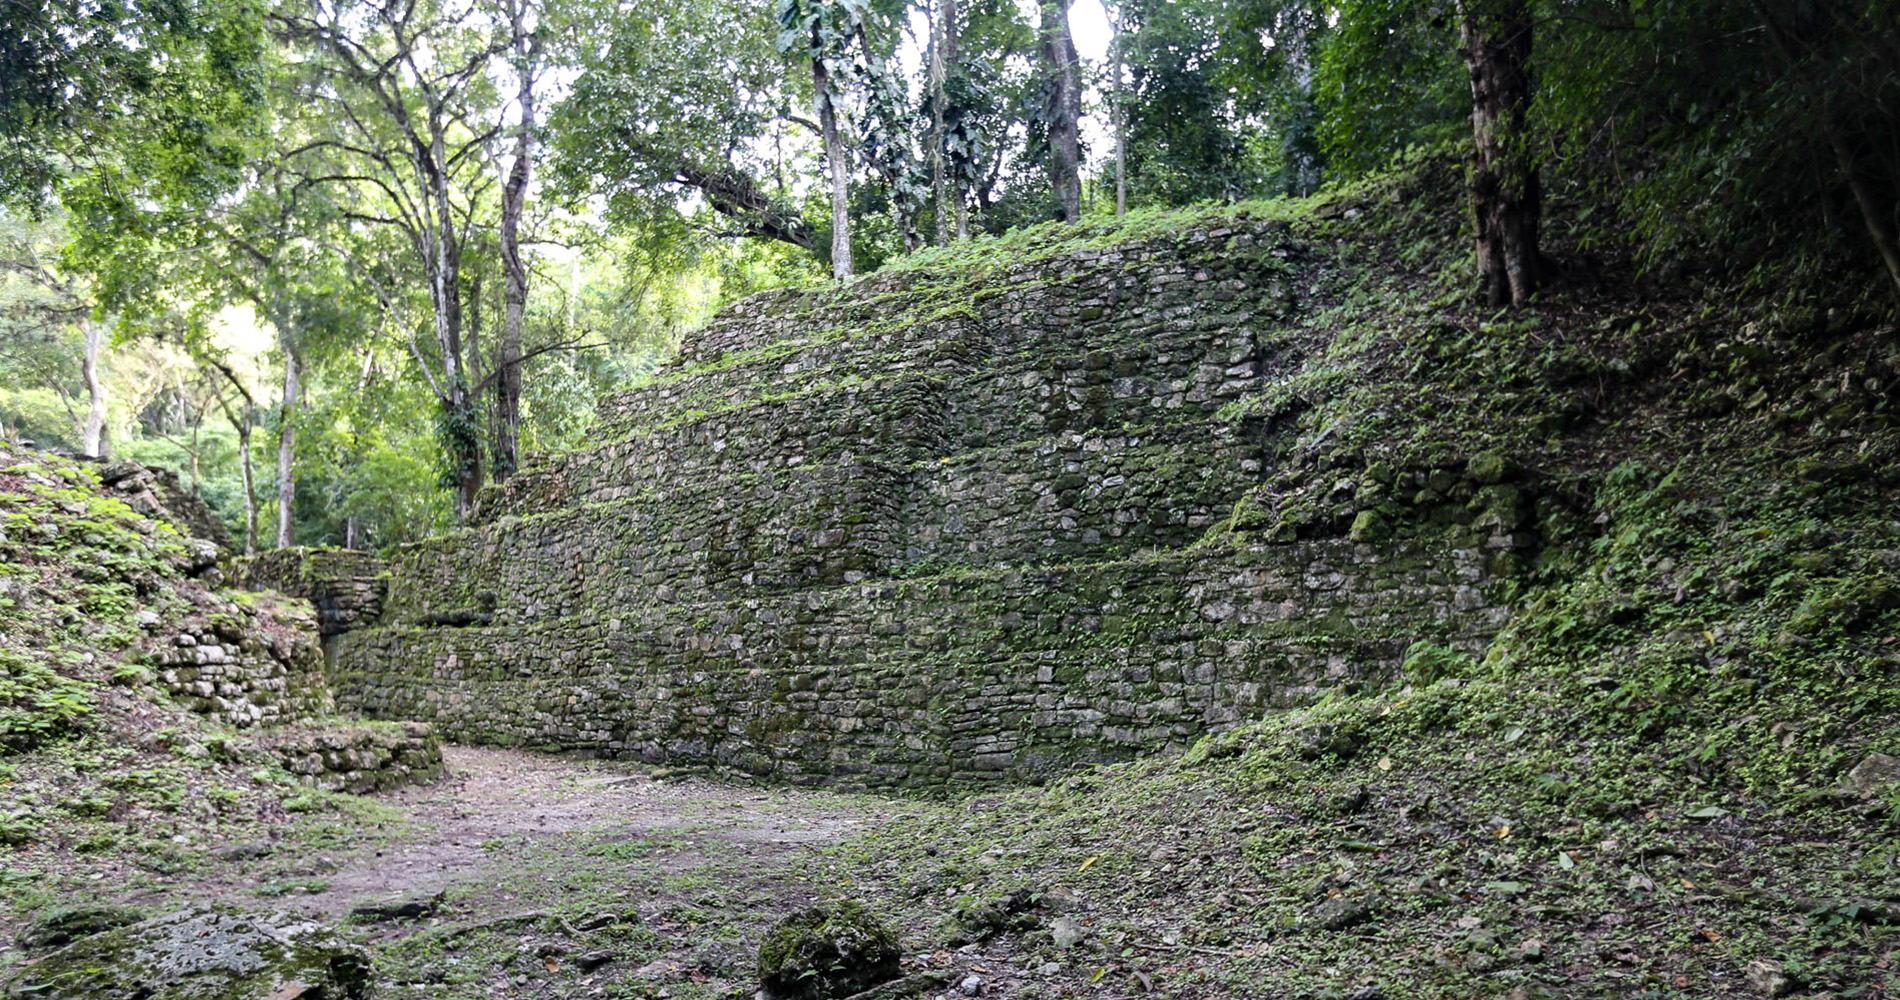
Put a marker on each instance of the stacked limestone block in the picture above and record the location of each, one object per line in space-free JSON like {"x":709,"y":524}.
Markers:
{"x":345,"y":586}
{"x":926,"y":530}
{"x":246,"y":668}
{"x":361,"y":758}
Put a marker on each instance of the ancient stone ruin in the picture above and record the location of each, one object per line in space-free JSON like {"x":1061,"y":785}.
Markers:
{"x":903,"y":536}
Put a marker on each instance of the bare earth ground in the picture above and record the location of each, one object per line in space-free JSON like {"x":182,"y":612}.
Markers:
{"x":561,"y":877}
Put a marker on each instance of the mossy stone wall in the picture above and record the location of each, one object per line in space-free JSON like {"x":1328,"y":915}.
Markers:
{"x":929,"y":529}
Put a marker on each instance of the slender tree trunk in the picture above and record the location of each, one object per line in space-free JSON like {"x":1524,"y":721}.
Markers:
{"x":1120,"y":119}
{"x":1865,"y":199}
{"x":250,"y":480}
{"x":837,"y":158}
{"x":944,"y":11}
{"x":1505,"y":196}
{"x":197,"y":424}
{"x":287,"y":454}
{"x":93,"y":439}
{"x":1064,"y":113}
{"x":242,"y":420}
{"x":515,"y":271}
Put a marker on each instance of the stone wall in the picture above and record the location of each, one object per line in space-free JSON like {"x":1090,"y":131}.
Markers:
{"x":930,"y":529}
{"x":360,"y":758}
{"x":345,"y":586}
{"x":244,"y":666}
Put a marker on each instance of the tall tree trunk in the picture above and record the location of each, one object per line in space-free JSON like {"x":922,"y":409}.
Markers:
{"x":242,"y":420}
{"x":250,"y":479}
{"x":1505,"y":196}
{"x":1064,"y":112}
{"x":514,"y":296}
{"x":1120,"y":121}
{"x":942,"y":26}
{"x":287,"y":454}
{"x":1868,"y":201}
{"x":837,"y":158}
{"x":93,"y":438}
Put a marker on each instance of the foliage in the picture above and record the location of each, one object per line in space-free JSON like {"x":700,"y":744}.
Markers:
{"x":123,"y":93}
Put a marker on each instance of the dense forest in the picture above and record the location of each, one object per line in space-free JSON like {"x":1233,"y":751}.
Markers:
{"x":343,"y":264}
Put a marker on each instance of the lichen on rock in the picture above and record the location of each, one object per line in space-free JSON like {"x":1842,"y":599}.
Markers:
{"x":203,"y":954}
{"x":827,"y":952}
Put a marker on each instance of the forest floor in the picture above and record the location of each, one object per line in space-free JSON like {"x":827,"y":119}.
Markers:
{"x":546,"y":876}
{"x":1244,"y":868}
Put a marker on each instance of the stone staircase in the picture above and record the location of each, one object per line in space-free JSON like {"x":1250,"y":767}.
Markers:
{"x":929,"y":529}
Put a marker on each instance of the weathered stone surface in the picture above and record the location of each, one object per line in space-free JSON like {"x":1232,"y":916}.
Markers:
{"x":64,"y":926}
{"x":345,"y":586}
{"x":246,"y":667}
{"x":825,"y":953}
{"x":201,"y":954}
{"x":869,"y":538}
{"x":360,"y":758}
{"x":1875,"y":774}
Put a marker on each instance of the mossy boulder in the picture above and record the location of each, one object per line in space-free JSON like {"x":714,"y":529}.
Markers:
{"x":827,"y":952}
{"x":1488,"y":468}
{"x":202,"y":954}
{"x":64,"y":926}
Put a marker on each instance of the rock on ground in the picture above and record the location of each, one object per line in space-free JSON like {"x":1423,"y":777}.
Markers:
{"x":203,"y":954}
{"x":828,"y":952}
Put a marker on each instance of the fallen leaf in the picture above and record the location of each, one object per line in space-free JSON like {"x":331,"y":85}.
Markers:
{"x":1100,"y":971}
{"x":1504,"y":831}
{"x":552,"y":964}
{"x":1707,"y":812}
{"x":1712,"y":936}
{"x":1385,"y":763}
{"x":1686,"y":884}
{"x":1087,"y":864}
{"x":1565,"y":861}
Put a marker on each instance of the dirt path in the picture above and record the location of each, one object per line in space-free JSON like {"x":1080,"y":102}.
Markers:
{"x":553,"y":877}
{"x":501,"y":807}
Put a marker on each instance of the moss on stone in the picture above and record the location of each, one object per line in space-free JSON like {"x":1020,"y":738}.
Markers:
{"x":828,"y":952}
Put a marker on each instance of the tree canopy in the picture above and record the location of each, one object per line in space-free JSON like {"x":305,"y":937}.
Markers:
{"x":411,"y":241}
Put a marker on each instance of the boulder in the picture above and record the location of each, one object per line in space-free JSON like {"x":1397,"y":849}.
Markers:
{"x":203,"y":954}
{"x":827,"y":952}
{"x":64,"y":926}
{"x":1874,"y":775}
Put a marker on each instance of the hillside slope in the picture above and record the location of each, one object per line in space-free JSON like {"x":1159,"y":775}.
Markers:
{"x":129,"y":679}
{"x":1671,"y":773}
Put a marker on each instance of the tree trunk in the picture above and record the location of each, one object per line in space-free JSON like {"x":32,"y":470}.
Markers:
{"x":836,"y":158}
{"x":286,"y":455}
{"x":1064,"y":112}
{"x":93,"y":439}
{"x":1505,"y":197}
{"x":250,"y":481}
{"x":1120,"y":121}
{"x":1865,"y":199}
{"x":515,"y":271}
{"x":941,"y":26}
{"x":465,"y":452}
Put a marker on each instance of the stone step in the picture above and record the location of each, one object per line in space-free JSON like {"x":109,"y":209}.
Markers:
{"x":714,"y":537}
{"x":1065,"y":498}
{"x":1074,"y":496}
{"x":1048,"y":318}
{"x":946,"y":678}
{"x":904,"y":418}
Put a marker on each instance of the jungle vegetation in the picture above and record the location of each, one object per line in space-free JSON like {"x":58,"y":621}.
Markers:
{"x":342,"y":263}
